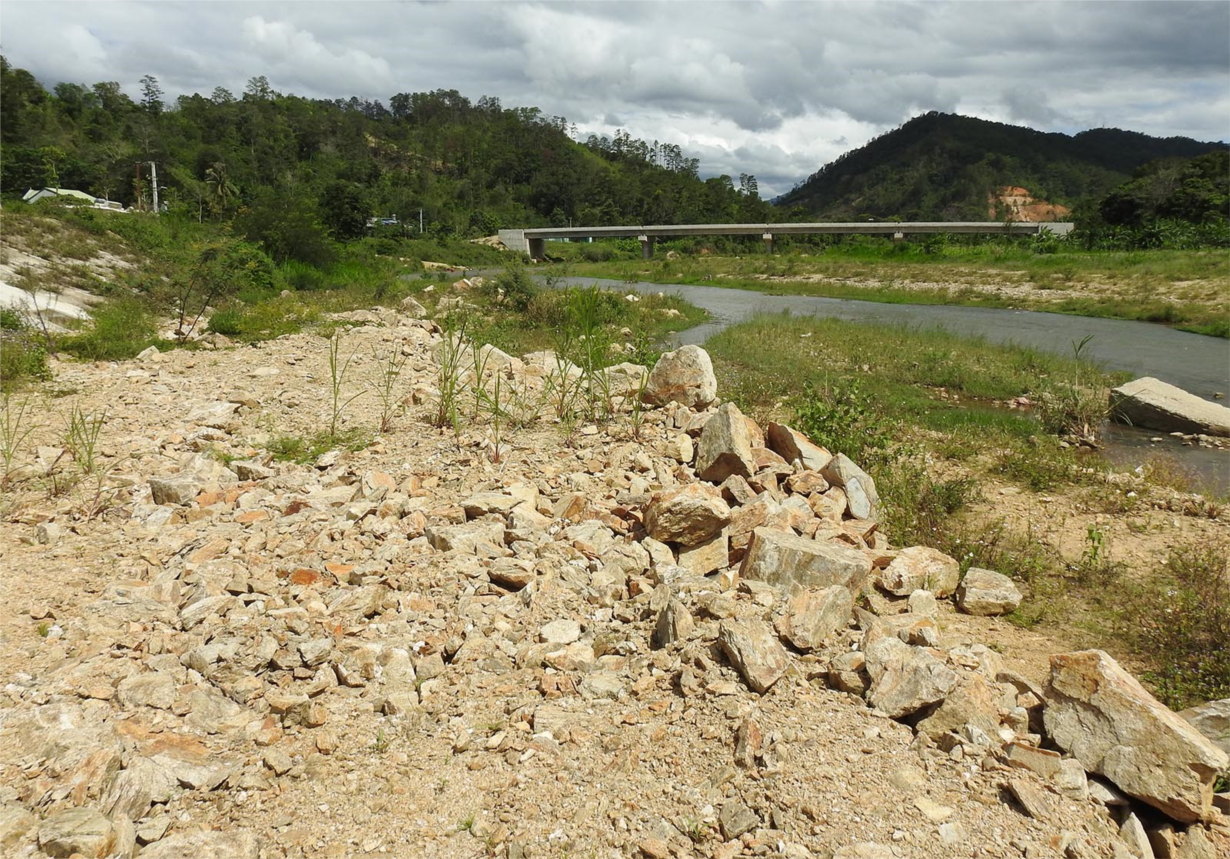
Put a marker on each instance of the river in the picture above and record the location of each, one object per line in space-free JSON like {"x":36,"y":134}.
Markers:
{"x":1193,"y":362}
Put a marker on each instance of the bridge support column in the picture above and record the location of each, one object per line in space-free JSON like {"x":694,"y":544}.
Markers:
{"x":646,"y":247}
{"x":898,"y":237}
{"x":537,"y":248}
{"x":768,"y":242}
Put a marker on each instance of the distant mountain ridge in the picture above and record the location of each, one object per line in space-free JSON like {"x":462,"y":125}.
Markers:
{"x":943,"y":167}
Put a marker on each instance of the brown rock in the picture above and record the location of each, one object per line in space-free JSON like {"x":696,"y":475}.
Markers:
{"x":921,"y":568}
{"x":725,"y":447}
{"x":814,"y":615}
{"x":791,"y":445}
{"x":754,"y":651}
{"x":689,"y":515}
{"x":1103,"y":717}
{"x":861,"y":495}
{"x":791,"y":562}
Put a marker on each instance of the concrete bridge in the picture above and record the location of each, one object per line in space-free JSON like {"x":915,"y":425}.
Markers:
{"x":533,"y":241}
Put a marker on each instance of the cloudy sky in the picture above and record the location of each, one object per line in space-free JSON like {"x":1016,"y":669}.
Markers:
{"x":771,"y":88}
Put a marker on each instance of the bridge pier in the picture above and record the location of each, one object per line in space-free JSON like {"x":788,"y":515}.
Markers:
{"x":768,"y":242}
{"x":537,"y":248}
{"x":646,"y":246}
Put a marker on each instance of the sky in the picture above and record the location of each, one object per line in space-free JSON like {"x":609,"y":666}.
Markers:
{"x":776,"y":89}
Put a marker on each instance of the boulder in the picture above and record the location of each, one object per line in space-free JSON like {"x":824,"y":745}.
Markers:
{"x":860,"y":489}
{"x":230,"y":844}
{"x":791,"y":562}
{"x":921,"y":568}
{"x":790,"y":445}
{"x":674,"y":623}
{"x":725,"y":447}
{"x":986,"y":593}
{"x":1153,"y":404}
{"x":814,"y":615}
{"x":689,"y":515}
{"x":1101,"y":715}
{"x":754,"y":651}
{"x":970,"y":703}
{"x":683,"y":376}
{"x":77,"y":831}
{"x":905,"y":679}
{"x":1212,"y":720}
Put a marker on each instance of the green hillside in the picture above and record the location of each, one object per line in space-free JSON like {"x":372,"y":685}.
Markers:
{"x":945,"y":167}
{"x":471,"y":166}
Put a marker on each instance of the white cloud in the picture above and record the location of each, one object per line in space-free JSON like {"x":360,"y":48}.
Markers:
{"x":775,"y":89}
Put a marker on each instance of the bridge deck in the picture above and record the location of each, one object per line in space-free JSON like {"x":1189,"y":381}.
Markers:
{"x":530,"y":240}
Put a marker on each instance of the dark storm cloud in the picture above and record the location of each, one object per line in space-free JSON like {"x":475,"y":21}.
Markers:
{"x":774,"y":88}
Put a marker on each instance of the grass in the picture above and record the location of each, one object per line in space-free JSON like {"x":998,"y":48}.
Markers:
{"x":305,"y":449}
{"x":1187,"y":289}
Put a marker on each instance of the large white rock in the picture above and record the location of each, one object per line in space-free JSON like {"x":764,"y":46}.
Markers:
{"x":1150,"y":403}
{"x":1103,"y":717}
{"x":987,"y":593}
{"x":861,"y":495}
{"x":1212,"y":720}
{"x":725,"y":447}
{"x":784,"y":559}
{"x":905,"y":679}
{"x":683,"y":376}
{"x":921,"y":568}
{"x":791,"y":444}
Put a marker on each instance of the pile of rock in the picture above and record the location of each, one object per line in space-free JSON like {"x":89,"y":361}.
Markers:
{"x":516,"y":621}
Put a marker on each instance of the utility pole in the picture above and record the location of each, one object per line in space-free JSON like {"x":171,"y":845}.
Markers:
{"x":153,"y":179}
{"x":138,"y":203}
{"x":420,"y":221}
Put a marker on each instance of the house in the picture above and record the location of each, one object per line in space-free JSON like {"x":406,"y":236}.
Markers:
{"x":36,"y":194}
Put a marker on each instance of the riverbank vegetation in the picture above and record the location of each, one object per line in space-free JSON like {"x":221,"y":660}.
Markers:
{"x":971,"y":445}
{"x":1189,"y":289}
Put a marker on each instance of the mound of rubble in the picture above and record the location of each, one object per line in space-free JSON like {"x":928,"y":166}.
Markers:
{"x":691,"y":641}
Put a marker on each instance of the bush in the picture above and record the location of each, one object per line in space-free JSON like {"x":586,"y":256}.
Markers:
{"x":23,"y":355}
{"x":517,"y":287}
{"x":1182,"y":623}
{"x":844,"y":421}
{"x":121,"y":329}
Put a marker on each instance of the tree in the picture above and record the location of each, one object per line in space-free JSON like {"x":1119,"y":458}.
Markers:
{"x":222,"y":191}
{"x":259,"y":88}
{"x":151,"y":95}
{"x":344,"y":209}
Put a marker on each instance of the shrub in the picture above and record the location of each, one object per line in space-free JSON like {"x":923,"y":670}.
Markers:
{"x":517,"y":287}
{"x":23,"y":355}
{"x":121,"y":329}
{"x":1181,"y":622}
{"x":843,"y":420}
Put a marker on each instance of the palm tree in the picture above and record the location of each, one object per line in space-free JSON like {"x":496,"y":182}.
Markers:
{"x":222,"y":190}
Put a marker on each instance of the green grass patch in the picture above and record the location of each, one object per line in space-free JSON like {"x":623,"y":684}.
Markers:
{"x":306,"y":449}
{"x":121,"y":329}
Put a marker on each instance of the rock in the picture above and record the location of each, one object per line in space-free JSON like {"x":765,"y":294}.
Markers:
{"x":791,"y":562}
{"x":1031,"y":798}
{"x":141,"y":784}
{"x":1133,"y":834}
{"x":684,"y":376}
{"x":848,"y":673}
{"x":923,"y":602}
{"x":411,"y":307}
{"x":707,"y":557}
{"x":1102,"y":716}
{"x":735,"y":818}
{"x":905,"y":679}
{"x":689,"y":515}
{"x":814,"y":615}
{"x":860,"y":489}
{"x":969,"y":703}
{"x":790,"y":445}
{"x":465,"y":538}
{"x":81,"y":831}
{"x":865,"y":850}
{"x":754,"y":651}
{"x":674,"y":623}
{"x":15,"y":824}
{"x":562,"y":631}
{"x":147,"y":690}
{"x":921,"y":568}
{"x":1212,"y":720}
{"x":725,"y":448}
{"x":250,"y":470}
{"x":1153,"y":404}
{"x":987,"y":593}
{"x":231,"y":844}
{"x":174,"y":490}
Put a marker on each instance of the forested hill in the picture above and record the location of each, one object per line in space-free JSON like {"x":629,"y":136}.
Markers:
{"x":946,"y":167}
{"x":472,"y":167}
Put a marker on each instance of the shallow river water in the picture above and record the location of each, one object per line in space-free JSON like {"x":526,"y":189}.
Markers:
{"x":1193,"y":362}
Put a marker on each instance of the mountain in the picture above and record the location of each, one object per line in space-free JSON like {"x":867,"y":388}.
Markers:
{"x":945,"y":167}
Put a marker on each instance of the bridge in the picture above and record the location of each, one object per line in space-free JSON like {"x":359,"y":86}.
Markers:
{"x":533,"y":241}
